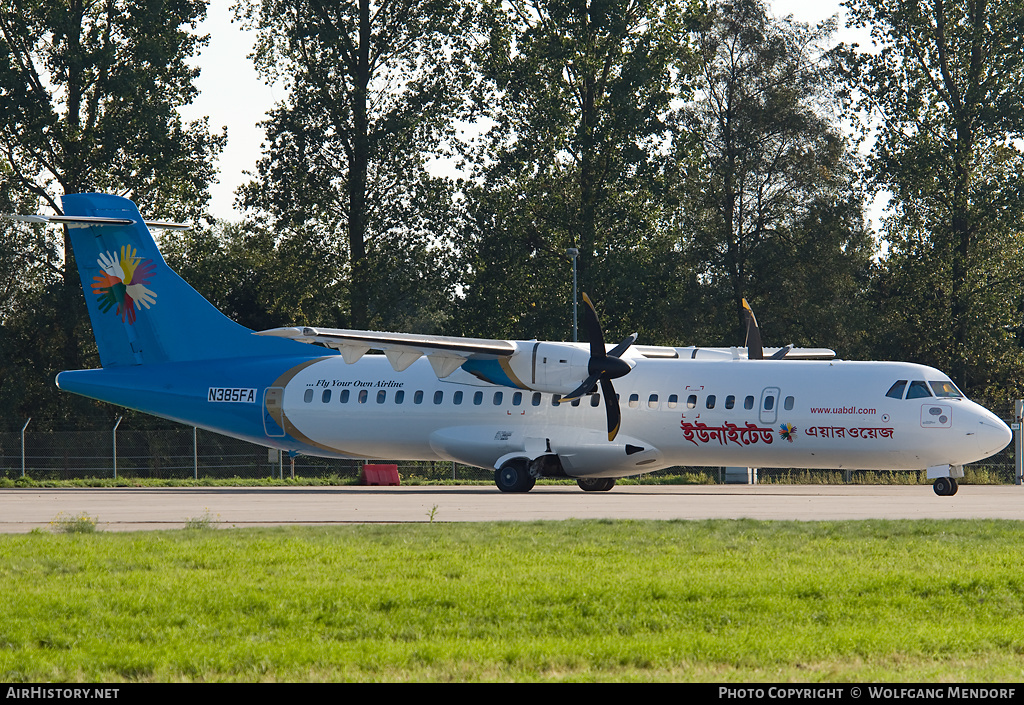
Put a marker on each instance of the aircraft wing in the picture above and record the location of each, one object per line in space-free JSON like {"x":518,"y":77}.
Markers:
{"x":445,"y":353}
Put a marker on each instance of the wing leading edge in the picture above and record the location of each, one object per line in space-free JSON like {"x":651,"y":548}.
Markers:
{"x":445,"y":353}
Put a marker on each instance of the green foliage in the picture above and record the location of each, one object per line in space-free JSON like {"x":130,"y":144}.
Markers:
{"x":69,"y":524}
{"x":204,"y":522}
{"x":768,"y":208}
{"x":578,"y":99}
{"x":260,"y":279}
{"x":372,"y":96}
{"x":943,"y":88}
{"x":89,"y":98}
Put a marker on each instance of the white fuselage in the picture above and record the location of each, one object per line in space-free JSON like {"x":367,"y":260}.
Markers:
{"x":675,"y":412}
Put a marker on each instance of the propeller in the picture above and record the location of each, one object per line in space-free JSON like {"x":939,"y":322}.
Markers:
{"x":754,"y":349}
{"x":603,"y":367}
{"x":753,"y":343}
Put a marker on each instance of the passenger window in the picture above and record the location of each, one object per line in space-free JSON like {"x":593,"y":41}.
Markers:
{"x":652,"y":401}
{"x":399,"y":396}
{"x":673,"y":400}
{"x":362,"y":396}
{"x":595,"y":399}
{"x":457,"y":398}
{"x":343,"y":397}
{"x":382,"y":396}
{"x":896,"y":390}
{"x":918,"y":390}
{"x":478,"y":398}
{"x":769,"y":403}
{"x":438,"y":396}
{"x":691,"y":401}
{"x":308,"y":396}
{"x":789,"y":403}
{"x":634,"y":401}
{"x":710,"y":403}
{"x":417,"y":398}
{"x":517,"y":399}
{"x":748,"y":403}
{"x":497,"y":398}
{"x":536,"y":399}
{"x":555,"y":399}
{"x":326,"y":396}
{"x":730,"y":401}
{"x":576,"y":401}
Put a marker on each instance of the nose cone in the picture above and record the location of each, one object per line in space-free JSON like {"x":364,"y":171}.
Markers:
{"x":992,"y":434}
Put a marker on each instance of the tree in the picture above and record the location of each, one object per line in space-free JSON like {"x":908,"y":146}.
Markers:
{"x":578,"y":100}
{"x":769,"y":210}
{"x":373,"y":90}
{"x":944,"y":89}
{"x":89,"y":93}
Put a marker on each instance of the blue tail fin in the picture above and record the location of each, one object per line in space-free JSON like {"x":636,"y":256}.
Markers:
{"x":141,"y":311}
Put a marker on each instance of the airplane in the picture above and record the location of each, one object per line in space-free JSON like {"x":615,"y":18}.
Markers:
{"x":524,"y":409}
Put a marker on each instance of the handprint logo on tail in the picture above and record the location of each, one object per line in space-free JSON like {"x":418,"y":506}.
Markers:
{"x":122,"y":283}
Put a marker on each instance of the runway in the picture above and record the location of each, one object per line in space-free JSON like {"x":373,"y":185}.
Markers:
{"x":143,"y":509}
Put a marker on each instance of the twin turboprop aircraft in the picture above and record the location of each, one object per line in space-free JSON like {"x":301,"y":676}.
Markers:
{"x":526,"y":409}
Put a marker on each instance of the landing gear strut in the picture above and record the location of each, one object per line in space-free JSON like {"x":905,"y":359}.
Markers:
{"x":945,"y":486}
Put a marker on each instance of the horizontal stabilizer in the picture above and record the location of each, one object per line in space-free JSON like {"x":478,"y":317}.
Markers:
{"x":93,"y":220}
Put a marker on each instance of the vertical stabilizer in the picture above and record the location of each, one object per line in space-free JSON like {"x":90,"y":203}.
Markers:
{"x":141,"y":311}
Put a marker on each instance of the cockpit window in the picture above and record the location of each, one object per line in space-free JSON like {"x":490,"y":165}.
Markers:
{"x":896,"y":390}
{"x":918,"y":390}
{"x":945,"y":389}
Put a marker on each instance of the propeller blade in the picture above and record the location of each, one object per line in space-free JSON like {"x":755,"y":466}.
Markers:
{"x":604,"y":366}
{"x":611,"y":407}
{"x":593,"y":329}
{"x":584,"y":388}
{"x":622,"y":347}
{"x":753,"y":343}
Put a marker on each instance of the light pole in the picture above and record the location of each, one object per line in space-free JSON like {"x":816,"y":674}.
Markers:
{"x":574,"y":253}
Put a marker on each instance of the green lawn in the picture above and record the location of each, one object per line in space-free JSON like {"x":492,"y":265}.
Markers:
{"x":574,"y":600}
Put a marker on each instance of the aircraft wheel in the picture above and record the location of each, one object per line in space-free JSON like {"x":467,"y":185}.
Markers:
{"x":595,"y":484}
{"x":955,"y":486}
{"x":944,"y":486}
{"x":514,"y":476}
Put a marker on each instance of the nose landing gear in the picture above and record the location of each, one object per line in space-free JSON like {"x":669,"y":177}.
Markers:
{"x":945,"y":486}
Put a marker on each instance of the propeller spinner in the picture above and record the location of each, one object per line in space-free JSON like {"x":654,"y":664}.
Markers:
{"x":603,"y":367}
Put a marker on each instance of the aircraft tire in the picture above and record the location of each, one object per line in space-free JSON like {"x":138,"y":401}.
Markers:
{"x":595,"y":484}
{"x":955,"y":486}
{"x":514,"y":476}
{"x":944,"y":486}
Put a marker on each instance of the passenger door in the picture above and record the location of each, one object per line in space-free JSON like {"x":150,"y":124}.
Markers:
{"x":769,"y":409}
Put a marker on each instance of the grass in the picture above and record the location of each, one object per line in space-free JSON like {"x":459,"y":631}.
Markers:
{"x":574,"y":601}
{"x":73,"y":524}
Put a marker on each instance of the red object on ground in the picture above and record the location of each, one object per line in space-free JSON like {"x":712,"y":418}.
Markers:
{"x":379,"y":475}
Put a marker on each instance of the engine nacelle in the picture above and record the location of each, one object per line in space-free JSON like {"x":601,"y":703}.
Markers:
{"x":557,"y":368}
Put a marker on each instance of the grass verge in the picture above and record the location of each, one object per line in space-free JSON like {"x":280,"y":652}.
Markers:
{"x":574,"y":600}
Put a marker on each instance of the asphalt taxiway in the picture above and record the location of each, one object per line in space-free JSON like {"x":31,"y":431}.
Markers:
{"x":133,"y":509}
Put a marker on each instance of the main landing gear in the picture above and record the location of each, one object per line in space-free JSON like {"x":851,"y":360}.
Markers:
{"x":595,"y":484}
{"x":945,"y":486}
{"x":514,"y":476}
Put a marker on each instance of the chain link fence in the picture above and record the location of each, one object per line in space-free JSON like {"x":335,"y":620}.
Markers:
{"x":183,"y":452}
{"x":179,"y":452}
